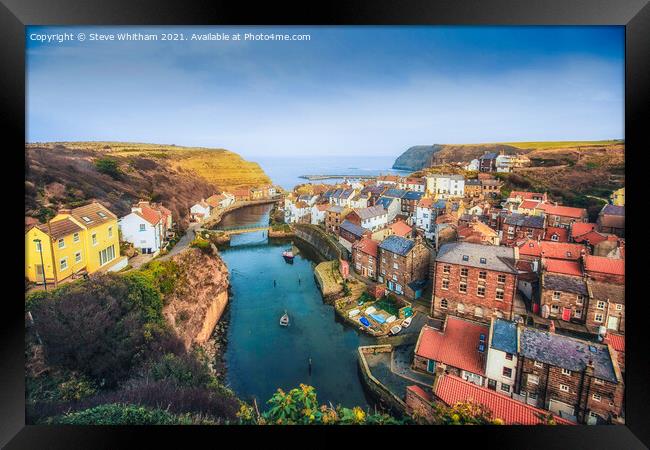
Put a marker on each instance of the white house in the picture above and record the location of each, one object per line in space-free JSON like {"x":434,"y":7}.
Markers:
{"x":318,"y":214}
{"x":200,"y":211}
{"x":296,"y":212}
{"x":389,"y":180}
{"x":504,"y":163}
{"x":473,"y":165}
{"x":143,"y":227}
{"x":372,"y":218}
{"x":412,"y":184}
{"x":501,"y":364}
{"x":392,"y":206}
{"x":342,"y":197}
{"x":425,"y":218}
{"x":359,"y":201}
{"x":445,"y":186}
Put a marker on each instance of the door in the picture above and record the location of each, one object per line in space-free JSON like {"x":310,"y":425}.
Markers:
{"x":612,"y":323}
{"x":431,"y":366}
{"x":566,"y":314}
{"x":39,"y":272}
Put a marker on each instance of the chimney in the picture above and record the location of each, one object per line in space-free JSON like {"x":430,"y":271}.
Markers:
{"x":551,"y":327}
{"x":65,"y":211}
{"x":589,"y":370}
{"x":439,"y":375}
{"x":516,"y":250}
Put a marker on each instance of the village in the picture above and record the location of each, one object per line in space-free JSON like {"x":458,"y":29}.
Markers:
{"x":514,"y":301}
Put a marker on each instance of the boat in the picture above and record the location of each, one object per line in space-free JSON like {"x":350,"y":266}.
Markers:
{"x":406,"y":322}
{"x":396,"y":329}
{"x":284,"y":320}
{"x":364,"y":322}
{"x":288,"y":256}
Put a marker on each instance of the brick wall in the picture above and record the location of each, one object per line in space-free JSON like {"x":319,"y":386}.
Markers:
{"x":365,"y":261}
{"x":567,"y":300}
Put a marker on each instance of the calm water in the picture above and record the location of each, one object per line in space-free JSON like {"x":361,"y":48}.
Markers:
{"x":286,"y":171}
{"x":263,"y":356}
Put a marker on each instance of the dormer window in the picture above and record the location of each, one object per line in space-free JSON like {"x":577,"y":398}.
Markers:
{"x":483,"y":261}
{"x":101,"y":214}
{"x":86,"y":219}
{"x":568,"y":254}
{"x":465,"y":258}
{"x":555,"y":238}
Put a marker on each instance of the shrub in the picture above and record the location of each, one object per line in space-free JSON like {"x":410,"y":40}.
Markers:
{"x":202,"y":245}
{"x":163,"y":275}
{"x":109,"y":166}
{"x":116,"y":414}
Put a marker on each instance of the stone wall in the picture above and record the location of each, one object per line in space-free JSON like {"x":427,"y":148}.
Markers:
{"x":324,"y":244}
{"x":378,"y":390}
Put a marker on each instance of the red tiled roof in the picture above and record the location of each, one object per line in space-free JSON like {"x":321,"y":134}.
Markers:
{"x":562,"y":234}
{"x":400,"y":228}
{"x":564,"y":211}
{"x":425,"y":203}
{"x":456,"y":346}
{"x":367,"y":246}
{"x":580,"y":228}
{"x":525,"y":195}
{"x":617,"y":341}
{"x":592,"y":237}
{"x":529,"y":204}
{"x":602,"y":264}
{"x":419,"y":391}
{"x":556,"y":250}
{"x":563,"y":266}
{"x":451,"y":390}
{"x":150,"y":215}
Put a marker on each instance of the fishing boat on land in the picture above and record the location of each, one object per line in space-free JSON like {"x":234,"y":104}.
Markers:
{"x":288,"y":256}
{"x":284,"y":320}
{"x":395,"y":329}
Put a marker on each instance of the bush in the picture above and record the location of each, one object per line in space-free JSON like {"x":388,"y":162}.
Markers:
{"x":109,"y":166}
{"x":202,"y":245}
{"x":163,"y":275}
{"x":116,"y":414}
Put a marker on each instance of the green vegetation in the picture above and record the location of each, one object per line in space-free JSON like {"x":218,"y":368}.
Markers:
{"x":388,"y":304}
{"x":201,"y":244}
{"x":365,"y":298}
{"x":109,"y":166}
{"x":123,"y":414}
{"x":546,"y":145}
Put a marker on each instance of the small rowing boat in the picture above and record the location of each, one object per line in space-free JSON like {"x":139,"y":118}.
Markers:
{"x":284,"y":320}
{"x":288,"y":256}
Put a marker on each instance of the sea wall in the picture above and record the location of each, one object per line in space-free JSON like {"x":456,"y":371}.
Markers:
{"x":386,"y":398}
{"x":324,"y":244}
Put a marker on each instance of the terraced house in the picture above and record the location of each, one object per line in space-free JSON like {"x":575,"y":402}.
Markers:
{"x":403,"y":265}
{"x":76,"y":241}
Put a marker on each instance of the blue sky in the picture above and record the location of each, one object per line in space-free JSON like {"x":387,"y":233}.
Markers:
{"x":348,"y":90}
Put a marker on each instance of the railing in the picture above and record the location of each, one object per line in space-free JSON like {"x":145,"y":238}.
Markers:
{"x":242,"y":229}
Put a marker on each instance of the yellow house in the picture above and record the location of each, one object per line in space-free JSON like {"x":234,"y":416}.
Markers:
{"x":76,"y":241}
{"x":618,"y":197}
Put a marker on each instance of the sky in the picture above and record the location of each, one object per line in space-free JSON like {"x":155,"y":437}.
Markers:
{"x":346,"y":90}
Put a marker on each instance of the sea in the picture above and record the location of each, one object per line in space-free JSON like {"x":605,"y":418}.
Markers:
{"x":286,"y":171}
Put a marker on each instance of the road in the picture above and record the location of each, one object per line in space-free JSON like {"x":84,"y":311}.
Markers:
{"x":184,"y":241}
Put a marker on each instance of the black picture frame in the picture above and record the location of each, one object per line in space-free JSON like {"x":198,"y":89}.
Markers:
{"x":633,"y":14}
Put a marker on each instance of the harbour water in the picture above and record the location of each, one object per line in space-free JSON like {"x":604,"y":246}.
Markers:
{"x":263,"y":356}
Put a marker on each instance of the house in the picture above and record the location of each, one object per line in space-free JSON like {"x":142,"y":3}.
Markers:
{"x":350,"y":233}
{"x":475,"y":281}
{"x":403,"y":264}
{"x":585,"y":233}
{"x":359,"y":201}
{"x":618,"y":197}
{"x":409,"y":205}
{"x":450,"y":390}
{"x":504,"y":163}
{"x":400,"y":228}
{"x":425,"y":217}
{"x":372,"y":218}
{"x":520,"y":196}
{"x":473,"y":188}
{"x":564,"y":297}
{"x":606,"y":307}
{"x":342,"y":197}
{"x":389,"y":180}
{"x":217,"y":201}
{"x":242,"y":194}
{"x":456,"y":349}
{"x":477,"y":232}
{"x":145,"y":227}
{"x":562,"y":266}
{"x":412,"y":184}
{"x":517,"y":227}
{"x":611,"y":219}
{"x":561,"y":216}
{"x":490,"y":188}
{"x":569,"y":376}
{"x":318,"y":213}
{"x":601,"y":268}
{"x":75,"y":242}
{"x":445,"y":185}
{"x":532,"y":250}
{"x":259,"y":193}
{"x":296,"y":212}
{"x":501,"y":363}
{"x":200,"y":211}
{"x":373,"y":192}
{"x":364,"y":257}
{"x":556,"y":234}
{"x":392,"y":205}
{"x":488,"y":162}
{"x":334,"y":216}
{"x":473,"y":165}
{"x":617,"y":343}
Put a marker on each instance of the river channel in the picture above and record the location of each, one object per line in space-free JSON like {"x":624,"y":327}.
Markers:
{"x":263,"y":356}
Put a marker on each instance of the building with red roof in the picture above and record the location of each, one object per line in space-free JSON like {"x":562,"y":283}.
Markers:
{"x":580,"y":228}
{"x":364,"y":257}
{"x":562,"y":266}
{"x":556,"y":234}
{"x":617,"y":343}
{"x":531,"y":249}
{"x":600,"y":268}
{"x":562,"y":216}
{"x":451,"y":390}
{"x":455,"y":348}
{"x":400,"y":228}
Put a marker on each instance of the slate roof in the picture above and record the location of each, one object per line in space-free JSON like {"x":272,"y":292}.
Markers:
{"x":352,"y":228}
{"x":523,"y":220}
{"x":490,"y":155}
{"x":615,"y":293}
{"x":440,"y":204}
{"x":335,"y":209}
{"x":473,"y":182}
{"x":613,"y":210}
{"x":412,"y":195}
{"x":418,"y":284}
{"x":504,"y":336}
{"x":501,"y":259}
{"x":384,"y":201}
{"x":564,"y":283}
{"x":370,"y":212}
{"x":397,"y":244}
{"x":566,"y":352}
{"x":396,"y":193}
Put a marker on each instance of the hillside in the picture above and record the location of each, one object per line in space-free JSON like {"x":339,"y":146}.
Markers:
{"x":66,"y":174}
{"x":416,"y":157}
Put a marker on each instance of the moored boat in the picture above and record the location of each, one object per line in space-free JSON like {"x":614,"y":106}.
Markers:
{"x":284,"y":320}
{"x":395,"y":329}
{"x":288,"y":256}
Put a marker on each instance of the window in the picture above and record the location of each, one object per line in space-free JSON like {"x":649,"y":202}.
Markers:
{"x":499,"y":294}
{"x":446,"y":269}
{"x":39,"y":247}
{"x":444,"y":303}
{"x":75,"y":237}
{"x":77,"y":257}
{"x":555,"y":309}
{"x":483,"y":261}
{"x":462,"y":287}
{"x":533,"y":379}
{"x":465,"y":258}
{"x":482,"y":275}
{"x":598,"y":381}
{"x":600,"y":304}
{"x":86,"y":219}
{"x":106,"y":255}
{"x":480,"y":291}
{"x":566,"y":372}
{"x":598,"y":318}
{"x":564,"y":387}
{"x":579,"y":299}
{"x":509,"y":356}
{"x":619,"y":307}
{"x":94,"y":238}
{"x":460,"y":308}
{"x":596,"y":397}
{"x":501,"y":278}
{"x":110,"y":232}
{"x":61,"y":243}
{"x":556,"y":295}
{"x":578,"y":314}
{"x":464,"y":271}
{"x":63,"y":264}
{"x":568,"y":254}
{"x":445,"y":284}
{"x":505,"y":387}
{"x":539,"y":364}
{"x":101,"y":214}
{"x":143,"y":227}
{"x":395,"y":266}
{"x":507,"y":372}
{"x":555,"y":237}
{"x":478,"y":312}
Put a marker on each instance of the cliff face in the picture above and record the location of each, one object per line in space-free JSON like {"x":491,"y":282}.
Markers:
{"x":200,"y":296}
{"x":65,"y":174}
{"x":416,"y":157}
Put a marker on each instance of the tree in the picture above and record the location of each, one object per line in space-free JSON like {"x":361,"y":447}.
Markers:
{"x":109,"y":166}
